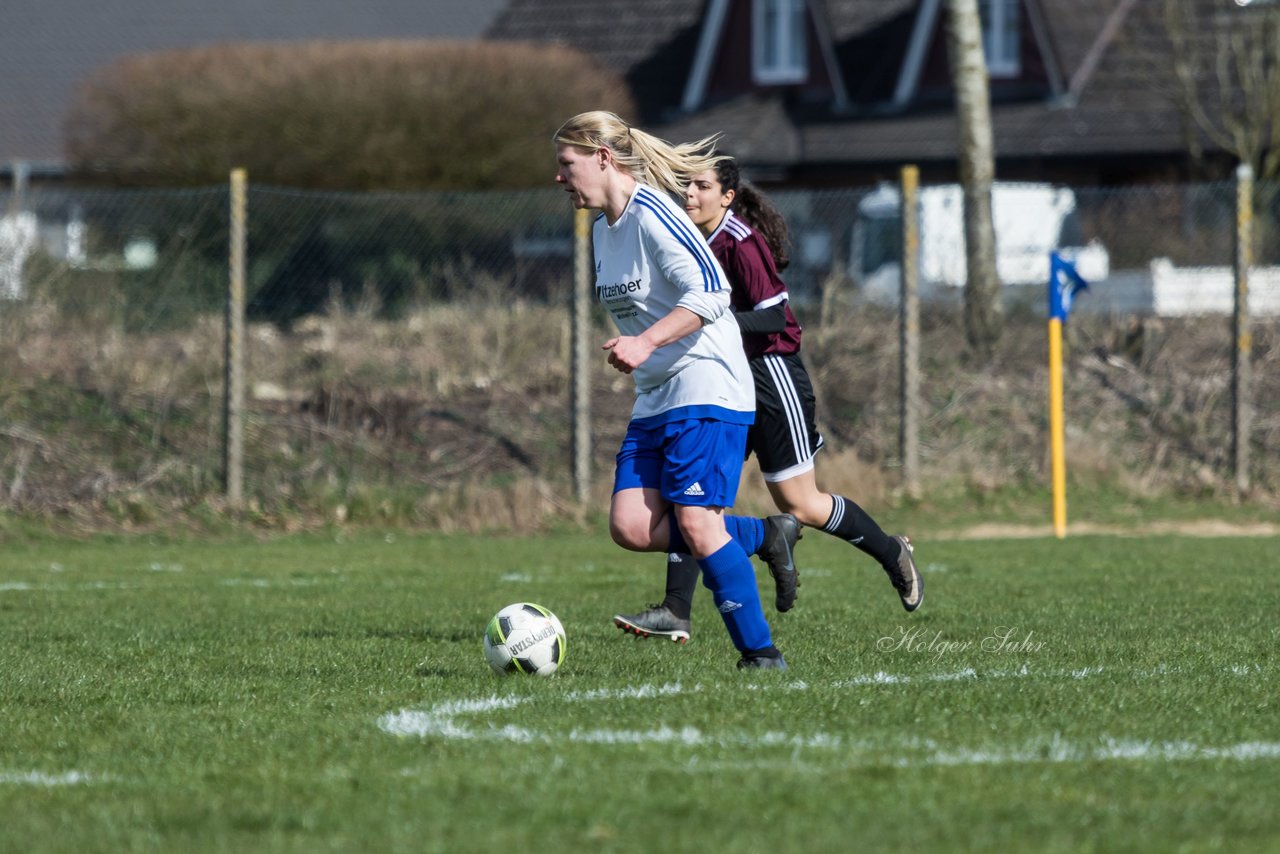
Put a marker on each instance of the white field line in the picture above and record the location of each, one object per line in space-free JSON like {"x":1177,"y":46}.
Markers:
{"x":444,"y":720}
{"x":1057,"y":750}
{"x":10,"y":586}
{"x":267,"y":582}
{"x":40,"y":778}
{"x":1054,"y":750}
{"x":26,"y":586}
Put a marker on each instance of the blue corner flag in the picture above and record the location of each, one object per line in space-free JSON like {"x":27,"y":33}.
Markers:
{"x":1064,"y":284}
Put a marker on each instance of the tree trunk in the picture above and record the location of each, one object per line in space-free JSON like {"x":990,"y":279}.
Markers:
{"x":982,"y":307}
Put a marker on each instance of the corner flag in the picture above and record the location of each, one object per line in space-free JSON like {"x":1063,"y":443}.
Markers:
{"x":1064,"y":284}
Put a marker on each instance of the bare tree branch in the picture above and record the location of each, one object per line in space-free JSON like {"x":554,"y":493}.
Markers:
{"x":1225,"y":65}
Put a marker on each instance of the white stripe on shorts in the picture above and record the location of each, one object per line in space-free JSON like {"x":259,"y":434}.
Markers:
{"x":786,"y":389}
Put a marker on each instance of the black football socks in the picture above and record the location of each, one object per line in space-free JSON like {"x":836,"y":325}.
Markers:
{"x":682,"y":580}
{"x":850,"y":522}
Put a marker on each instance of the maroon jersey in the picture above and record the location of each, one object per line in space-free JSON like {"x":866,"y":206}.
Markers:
{"x":749,"y":265}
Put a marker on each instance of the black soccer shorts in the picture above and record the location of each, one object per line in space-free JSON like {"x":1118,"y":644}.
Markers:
{"x":785,"y":436}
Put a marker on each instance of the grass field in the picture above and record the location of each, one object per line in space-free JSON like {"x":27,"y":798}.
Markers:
{"x":322,"y":694}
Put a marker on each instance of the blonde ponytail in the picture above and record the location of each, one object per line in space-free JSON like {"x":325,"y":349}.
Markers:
{"x":641,"y":155}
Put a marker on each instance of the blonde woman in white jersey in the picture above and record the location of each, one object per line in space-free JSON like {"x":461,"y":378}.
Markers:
{"x":679,"y":465}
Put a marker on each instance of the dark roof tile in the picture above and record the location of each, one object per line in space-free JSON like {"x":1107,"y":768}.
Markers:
{"x":651,"y":43}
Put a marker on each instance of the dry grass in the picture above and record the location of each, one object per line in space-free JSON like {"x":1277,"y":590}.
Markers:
{"x":1148,"y":405}
{"x":457,"y":417}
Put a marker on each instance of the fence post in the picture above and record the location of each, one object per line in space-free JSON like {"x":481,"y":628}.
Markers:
{"x":909,"y":333}
{"x":233,"y":365}
{"x":581,"y":366}
{"x":1241,"y":367}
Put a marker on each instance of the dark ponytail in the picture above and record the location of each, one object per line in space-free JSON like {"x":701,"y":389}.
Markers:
{"x":759,"y":213}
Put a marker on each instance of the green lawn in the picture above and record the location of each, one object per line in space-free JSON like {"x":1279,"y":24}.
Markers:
{"x":306,"y":694}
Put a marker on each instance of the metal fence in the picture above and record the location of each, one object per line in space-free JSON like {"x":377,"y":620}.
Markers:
{"x":112,"y":308}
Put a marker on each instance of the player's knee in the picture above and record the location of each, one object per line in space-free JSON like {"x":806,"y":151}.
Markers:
{"x":786,"y":504}
{"x":813,"y":514}
{"x":703,"y":530}
{"x":630,"y":534}
{"x":812,"y":509}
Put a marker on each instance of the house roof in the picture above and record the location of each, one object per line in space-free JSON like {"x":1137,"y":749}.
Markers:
{"x":651,"y":43}
{"x":1103,"y":56}
{"x":623,"y":33}
{"x":47,"y":47}
{"x":1112,"y":106}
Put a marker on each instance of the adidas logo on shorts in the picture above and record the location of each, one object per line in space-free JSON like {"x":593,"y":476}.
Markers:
{"x":695,"y":491}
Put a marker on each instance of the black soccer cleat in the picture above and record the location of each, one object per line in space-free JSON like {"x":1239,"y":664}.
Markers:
{"x":781,"y":533}
{"x":762,"y":662}
{"x":906,"y":579}
{"x":657,"y":621}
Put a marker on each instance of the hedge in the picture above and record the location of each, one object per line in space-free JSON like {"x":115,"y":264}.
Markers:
{"x":359,"y":115}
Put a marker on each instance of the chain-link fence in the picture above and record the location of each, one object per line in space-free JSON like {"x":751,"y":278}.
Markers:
{"x":405,"y":349}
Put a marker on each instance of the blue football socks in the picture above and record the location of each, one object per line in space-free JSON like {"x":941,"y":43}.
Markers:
{"x":729,"y":576}
{"x":748,"y":531}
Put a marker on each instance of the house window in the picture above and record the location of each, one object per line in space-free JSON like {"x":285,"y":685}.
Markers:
{"x":1000,"y":37}
{"x":778,"y":50}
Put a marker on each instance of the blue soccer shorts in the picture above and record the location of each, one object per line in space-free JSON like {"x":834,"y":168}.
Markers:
{"x":695,"y":462}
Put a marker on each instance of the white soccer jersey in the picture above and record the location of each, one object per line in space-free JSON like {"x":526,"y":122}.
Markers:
{"x":650,"y":261}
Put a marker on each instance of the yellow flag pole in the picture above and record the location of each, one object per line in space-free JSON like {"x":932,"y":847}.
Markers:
{"x":1056,"y":429}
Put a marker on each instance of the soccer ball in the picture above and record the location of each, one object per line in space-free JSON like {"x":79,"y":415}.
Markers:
{"x":524,"y":638}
